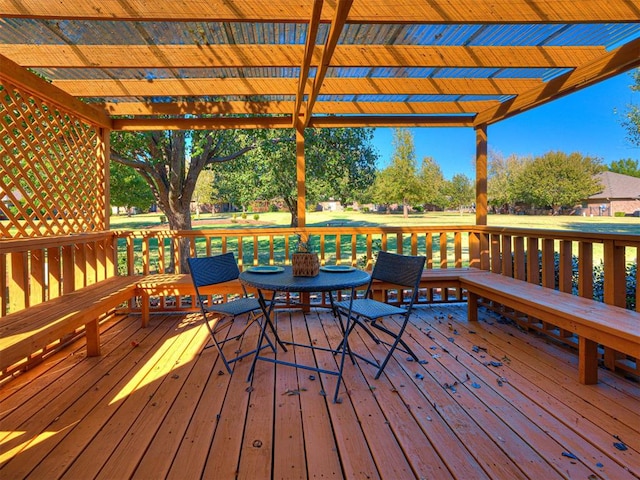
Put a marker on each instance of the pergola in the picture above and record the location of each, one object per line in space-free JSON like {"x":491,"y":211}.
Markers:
{"x":137,"y":65}
{"x":493,"y":401}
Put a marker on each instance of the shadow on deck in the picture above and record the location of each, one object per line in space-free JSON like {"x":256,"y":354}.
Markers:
{"x":492,"y":402}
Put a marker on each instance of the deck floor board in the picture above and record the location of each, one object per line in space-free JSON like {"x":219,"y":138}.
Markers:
{"x":156,"y":405}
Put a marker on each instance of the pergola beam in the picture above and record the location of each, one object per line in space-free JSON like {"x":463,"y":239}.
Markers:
{"x":288,"y":86}
{"x":390,"y":11}
{"x":272,"y":108}
{"x":355,"y":121}
{"x":310,"y":45}
{"x":150,"y":124}
{"x":613,"y":63}
{"x":337,"y":24}
{"x":231,"y":56}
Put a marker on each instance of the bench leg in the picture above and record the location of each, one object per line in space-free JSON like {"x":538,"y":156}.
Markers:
{"x":378,"y":295}
{"x":144,"y":308}
{"x":92,"y":332}
{"x":587,"y":361}
{"x":472,"y":307}
{"x":610,"y":358}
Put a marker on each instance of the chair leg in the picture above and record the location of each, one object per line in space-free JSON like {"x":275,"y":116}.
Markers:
{"x":394,"y":345}
{"x":217,"y":345}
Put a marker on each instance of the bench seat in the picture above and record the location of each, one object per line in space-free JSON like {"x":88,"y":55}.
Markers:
{"x":27,"y":331}
{"x":163,"y":285}
{"x":594,"y":322}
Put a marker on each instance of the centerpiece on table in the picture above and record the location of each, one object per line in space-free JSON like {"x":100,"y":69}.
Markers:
{"x":304,"y":261}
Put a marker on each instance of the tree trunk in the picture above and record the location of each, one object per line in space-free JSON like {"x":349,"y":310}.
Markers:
{"x":179,"y":219}
{"x":292,"y":206}
{"x":405,"y":209}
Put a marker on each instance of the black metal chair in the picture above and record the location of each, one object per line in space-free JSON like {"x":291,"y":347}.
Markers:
{"x":207,"y":271}
{"x":403,"y":271}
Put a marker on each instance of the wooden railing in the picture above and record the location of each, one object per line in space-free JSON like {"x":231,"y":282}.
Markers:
{"x":36,"y":269}
{"x":545,"y":257}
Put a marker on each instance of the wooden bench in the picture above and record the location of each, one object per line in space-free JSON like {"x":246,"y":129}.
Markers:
{"x":594,"y":322}
{"x":28,"y":331}
{"x":167,"y":284}
{"x":163,"y":285}
{"x":442,"y":278}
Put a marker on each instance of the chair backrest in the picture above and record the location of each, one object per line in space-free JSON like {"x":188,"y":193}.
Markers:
{"x":213,"y":270}
{"x":402,"y":270}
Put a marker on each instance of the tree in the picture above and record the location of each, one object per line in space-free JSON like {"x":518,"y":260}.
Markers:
{"x":460,"y":191}
{"x":398,"y":183}
{"x":160,"y":157}
{"x":626,"y":167}
{"x":204,"y":191}
{"x":340,"y":163}
{"x":502,"y":177}
{"x":128,"y":189}
{"x":632,"y":115}
{"x":557,"y":179}
{"x":431,"y":183}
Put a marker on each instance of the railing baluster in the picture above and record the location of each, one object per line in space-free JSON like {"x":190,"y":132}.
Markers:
{"x":533,"y":261}
{"x":519,"y":259}
{"x":585,"y":269}
{"x":507,"y":256}
{"x":443,"y":250}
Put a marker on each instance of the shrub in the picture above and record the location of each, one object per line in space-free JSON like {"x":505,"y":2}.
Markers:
{"x":244,"y":215}
{"x":256,"y":216}
{"x":619,"y":214}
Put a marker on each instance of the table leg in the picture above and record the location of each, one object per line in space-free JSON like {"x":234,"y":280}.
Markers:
{"x":266,"y":311}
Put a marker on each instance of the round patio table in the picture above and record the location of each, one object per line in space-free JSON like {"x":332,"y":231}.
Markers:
{"x":285,"y":281}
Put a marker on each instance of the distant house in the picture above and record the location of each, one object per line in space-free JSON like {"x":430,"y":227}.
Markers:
{"x":620,"y":193}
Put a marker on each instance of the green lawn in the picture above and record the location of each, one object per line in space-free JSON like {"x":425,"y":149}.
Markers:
{"x":622,"y":225}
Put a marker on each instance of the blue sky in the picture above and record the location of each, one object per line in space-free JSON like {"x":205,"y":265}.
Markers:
{"x":585,"y":121}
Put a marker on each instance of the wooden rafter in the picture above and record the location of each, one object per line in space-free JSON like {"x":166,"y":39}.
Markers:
{"x":392,"y":11}
{"x":613,"y":63}
{"x":288,"y":86}
{"x":202,"y":123}
{"x":197,"y":108}
{"x":426,"y":86}
{"x":207,"y":56}
{"x":391,"y":121}
{"x":271,"y":108}
{"x":285,"y":122}
{"x":337,"y":24}
{"x":310,"y":43}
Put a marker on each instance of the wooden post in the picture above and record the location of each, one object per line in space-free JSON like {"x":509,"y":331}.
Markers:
{"x":300,"y":177}
{"x":106,"y":157}
{"x":481,"y":174}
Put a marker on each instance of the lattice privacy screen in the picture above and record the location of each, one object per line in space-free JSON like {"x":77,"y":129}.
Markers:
{"x":52,"y":179}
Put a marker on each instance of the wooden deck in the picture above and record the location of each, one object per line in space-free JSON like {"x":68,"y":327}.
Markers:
{"x":154,"y":406}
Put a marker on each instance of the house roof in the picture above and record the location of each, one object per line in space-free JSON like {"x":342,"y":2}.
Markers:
{"x":234,"y":63}
{"x":618,"y":186}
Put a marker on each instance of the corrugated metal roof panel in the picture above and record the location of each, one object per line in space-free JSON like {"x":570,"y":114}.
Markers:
{"x":87,"y":32}
{"x":153,"y":73}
